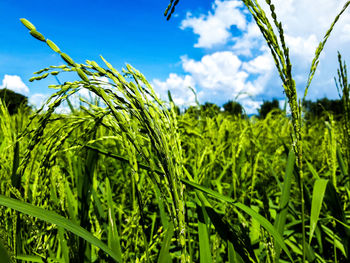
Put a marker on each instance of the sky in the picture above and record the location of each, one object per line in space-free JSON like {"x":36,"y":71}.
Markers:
{"x":214,"y":47}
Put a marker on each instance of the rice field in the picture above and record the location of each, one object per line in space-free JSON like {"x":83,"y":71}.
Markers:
{"x":124,"y":178}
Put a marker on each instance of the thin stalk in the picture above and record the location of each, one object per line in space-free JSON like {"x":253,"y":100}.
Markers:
{"x":301,"y":174}
{"x":302,"y":214}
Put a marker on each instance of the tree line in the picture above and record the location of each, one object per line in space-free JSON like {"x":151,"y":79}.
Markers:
{"x":312,"y":109}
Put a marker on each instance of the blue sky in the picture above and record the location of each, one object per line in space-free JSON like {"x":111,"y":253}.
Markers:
{"x":213,"y":46}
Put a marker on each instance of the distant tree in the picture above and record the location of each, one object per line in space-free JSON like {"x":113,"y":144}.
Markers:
{"x":268,"y":106}
{"x":233,"y":108}
{"x":205,"y":110}
{"x":318,"y":108}
{"x":13,"y":100}
{"x":209,"y":109}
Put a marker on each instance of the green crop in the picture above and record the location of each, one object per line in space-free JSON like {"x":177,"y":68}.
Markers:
{"x":123,"y":178}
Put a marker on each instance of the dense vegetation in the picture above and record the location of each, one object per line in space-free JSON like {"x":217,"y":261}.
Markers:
{"x":13,"y":101}
{"x":243,"y":159}
{"x":127,"y":179}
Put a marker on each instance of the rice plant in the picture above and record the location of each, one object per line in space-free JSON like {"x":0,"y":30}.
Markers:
{"x":123,"y":178}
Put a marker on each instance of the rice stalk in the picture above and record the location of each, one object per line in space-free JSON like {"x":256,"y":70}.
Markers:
{"x":128,"y":101}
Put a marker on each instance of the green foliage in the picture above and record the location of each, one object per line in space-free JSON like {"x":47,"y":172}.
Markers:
{"x":233,"y":108}
{"x":344,"y":92}
{"x":209,"y":109}
{"x":322,"y":107}
{"x":193,"y":111}
{"x":242,"y":163}
{"x":267,"y":107}
{"x":13,"y":101}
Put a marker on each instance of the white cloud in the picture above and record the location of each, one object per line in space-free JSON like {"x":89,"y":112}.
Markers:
{"x":219,"y":77}
{"x":38,"y":99}
{"x":214,"y":28}
{"x":345,"y":33}
{"x":262,"y":63}
{"x":250,"y":106}
{"x":302,"y":47}
{"x":220,"y":69}
{"x":305,"y":23}
{"x":14,"y":83}
{"x":241,"y":62}
{"x":222,"y":75}
{"x":251,"y":39}
{"x":179,"y":88}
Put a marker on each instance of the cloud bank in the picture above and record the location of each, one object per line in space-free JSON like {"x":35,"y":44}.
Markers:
{"x":237,"y":61}
{"x":14,"y":83}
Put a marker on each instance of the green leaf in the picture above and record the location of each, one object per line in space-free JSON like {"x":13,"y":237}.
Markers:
{"x":164,"y":256}
{"x":37,"y":35}
{"x":52,"y":45}
{"x":334,"y":204}
{"x":317,"y":200}
{"x":203,"y":236}
{"x":113,"y":236}
{"x":233,"y":257}
{"x":228,"y":233}
{"x":63,"y":242}
{"x":53,"y":218}
{"x":27,"y":24}
{"x":266,"y":224}
{"x":283,"y":206}
{"x":30,"y":258}
{"x":341,"y":163}
{"x":162,"y":213}
{"x":312,"y":170}
{"x":208,"y":191}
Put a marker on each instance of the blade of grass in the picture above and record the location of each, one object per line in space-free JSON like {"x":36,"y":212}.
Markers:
{"x":113,"y":236}
{"x":162,"y":213}
{"x":317,"y":200}
{"x":164,"y":256}
{"x":227,"y":233}
{"x":283,"y":206}
{"x":333,"y":202}
{"x":233,"y":257}
{"x":30,"y":258}
{"x":266,"y":224}
{"x":63,"y":243}
{"x":53,"y":218}
{"x":203,"y":236}
{"x":341,"y":163}
{"x":312,"y":170}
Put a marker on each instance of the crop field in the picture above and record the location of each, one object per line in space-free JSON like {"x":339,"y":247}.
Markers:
{"x":125,"y":178}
